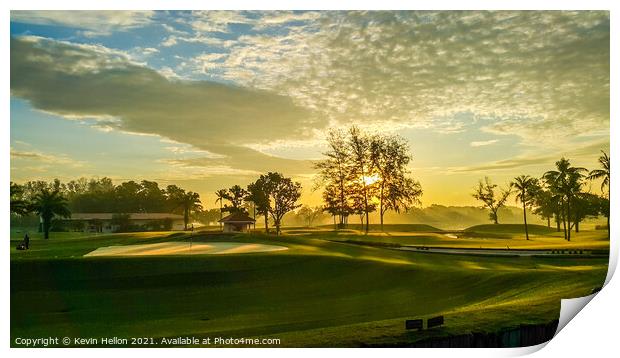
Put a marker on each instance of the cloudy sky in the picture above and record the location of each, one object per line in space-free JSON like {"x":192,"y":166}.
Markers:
{"x":207,"y":99}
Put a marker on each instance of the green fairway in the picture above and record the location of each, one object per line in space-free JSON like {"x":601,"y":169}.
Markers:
{"x":319,"y":292}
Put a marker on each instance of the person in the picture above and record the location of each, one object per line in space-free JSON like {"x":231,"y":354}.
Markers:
{"x":27,"y":241}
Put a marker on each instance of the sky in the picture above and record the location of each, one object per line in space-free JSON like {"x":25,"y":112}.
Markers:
{"x":209,"y":99}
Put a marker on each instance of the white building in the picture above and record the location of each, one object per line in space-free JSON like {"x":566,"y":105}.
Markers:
{"x":108,"y":222}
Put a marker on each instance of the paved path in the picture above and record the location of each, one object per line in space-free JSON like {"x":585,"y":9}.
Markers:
{"x":496,"y":252}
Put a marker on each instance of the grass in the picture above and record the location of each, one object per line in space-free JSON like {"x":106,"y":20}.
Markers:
{"x":511,"y":229}
{"x":320,"y":292}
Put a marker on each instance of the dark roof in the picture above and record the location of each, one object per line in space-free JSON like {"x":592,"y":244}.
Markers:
{"x":237,"y":218}
{"x":132,"y":216}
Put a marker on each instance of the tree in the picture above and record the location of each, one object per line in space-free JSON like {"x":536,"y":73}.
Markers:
{"x":309,"y":214}
{"x":566,"y":183}
{"x":284,"y":194}
{"x":332,"y":203}
{"x":585,"y":205}
{"x":48,"y":204}
{"x":334,"y":175}
{"x":604,"y":174}
{"x":401,"y":194}
{"x":18,"y":205}
{"x":259,"y":194}
{"x":236,"y":196}
{"x":485,"y":192}
{"x":123,"y":221}
{"x":527,"y":189}
{"x":545,"y":205}
{"x":152,"y":198}
{"x":221,"y":195}
{"x":390,"y":156}
{"x":359,"y":145}
{"x":189,"y":202}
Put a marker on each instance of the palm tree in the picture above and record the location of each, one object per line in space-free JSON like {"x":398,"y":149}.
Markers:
{"x":603,"y":174}
{"x":189,"y":201}
{"x":527,"y":188}
{"x":221,"y":195}
{"x":566,"y":183}
{"x":48,"y":204}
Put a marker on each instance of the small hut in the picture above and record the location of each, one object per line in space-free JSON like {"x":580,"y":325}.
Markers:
{"x":237,"y":222}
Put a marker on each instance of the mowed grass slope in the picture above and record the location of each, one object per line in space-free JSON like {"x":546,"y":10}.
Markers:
{"x":500,"y":236}
{"x":317,"y":293}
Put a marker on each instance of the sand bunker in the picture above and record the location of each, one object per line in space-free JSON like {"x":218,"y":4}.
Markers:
{"x":183,"y":248}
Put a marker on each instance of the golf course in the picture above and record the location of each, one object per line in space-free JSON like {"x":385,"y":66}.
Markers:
{"x":309,"y":287}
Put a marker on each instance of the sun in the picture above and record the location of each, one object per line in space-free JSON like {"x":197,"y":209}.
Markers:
{"x":371,"y":179}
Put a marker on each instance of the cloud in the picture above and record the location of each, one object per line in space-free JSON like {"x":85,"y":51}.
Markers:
{"x":588,"y":152}
{"x":95,"y":23}
{"x":44,"y":158}
{"x":483,"y":143}
{"x":541,"y":75}
{"x":90,"y":81}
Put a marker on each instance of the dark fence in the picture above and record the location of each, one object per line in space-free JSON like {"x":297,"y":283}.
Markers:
{"x":522,"y":336}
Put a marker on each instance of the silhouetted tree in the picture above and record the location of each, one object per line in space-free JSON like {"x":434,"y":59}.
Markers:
{"x":526,"y":188}
{"x":566,"y":182}
{"x":546,"y":205}
{"x":604,"y":175}
{"x":259,"y":194}
{"x":221,"y":195}
{"x":18,"y":205}
{"x":189,"y":202}
{"x":390,"y":156}
{"x":485,"y":192}
{"x":284,"y":194}
{"x":236,"y":196}
{"x":48,"y":204}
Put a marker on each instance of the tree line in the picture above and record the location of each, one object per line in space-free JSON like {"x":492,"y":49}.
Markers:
{"x":364,"y":173}
{"x":558,"y":194}
{"x":47,"y":200}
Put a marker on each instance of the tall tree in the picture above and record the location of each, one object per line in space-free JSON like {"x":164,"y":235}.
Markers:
{"x":566,"y":182}
{"x":359,"y":145}
{"x":527,"y":189}
{"x":486,"y":192}
{"x":221,"y":195}
{"x":284,"y":194}
{"x":259,"y":194}
{"x":48,"y":204}
{"x":189,"y":202}
{"x":604,"y":175}
{"x":390,"y":156}
{"x":334,"y":175}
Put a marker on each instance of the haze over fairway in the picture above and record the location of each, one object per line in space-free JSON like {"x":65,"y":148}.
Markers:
{"x":208,"y":99}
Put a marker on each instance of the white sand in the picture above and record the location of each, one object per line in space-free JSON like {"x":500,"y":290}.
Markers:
{"x":183,"y":248}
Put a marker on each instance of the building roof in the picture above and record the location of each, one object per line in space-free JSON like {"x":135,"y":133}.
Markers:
{"x":237,"y":218}
{"x":132,"y":216}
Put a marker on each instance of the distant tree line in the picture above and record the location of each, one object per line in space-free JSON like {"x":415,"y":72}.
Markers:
{"x":363,"y":173}
{"x":558,"y":194}
{"x":47,"y":200}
